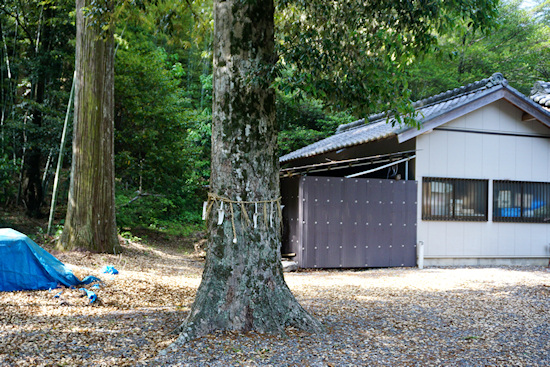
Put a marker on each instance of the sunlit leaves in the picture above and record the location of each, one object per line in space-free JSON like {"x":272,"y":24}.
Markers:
{"x":519,"y":48}
{"x":355,"y":53}
{"x":155,"y":150}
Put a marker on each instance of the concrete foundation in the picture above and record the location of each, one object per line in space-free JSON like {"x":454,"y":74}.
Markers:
{"x":488,"y":261}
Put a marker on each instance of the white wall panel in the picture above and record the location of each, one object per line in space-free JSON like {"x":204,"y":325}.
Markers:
{"x":506,"y":239}
{"x":489,"y":157}
{"x":438,"y":163}
{"x":455,"y":162}
{"x":540,"y":163}
{"x":490,"y":118}
{"x":437,"y":242}
{"x":509,"y":117}
{"x":473,"y":149}
{"x":455,"y":238}
{"x":489,"y":239}
{"x":473,"y":243}
{"x":538,"y":236}
{"x":523,"y":157}
{"x":506,"y":158}
{"x":523,"y":243}
{"x":536,"y":127}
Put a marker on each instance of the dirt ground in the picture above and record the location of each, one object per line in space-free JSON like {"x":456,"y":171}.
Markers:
{"x":379,"y":317}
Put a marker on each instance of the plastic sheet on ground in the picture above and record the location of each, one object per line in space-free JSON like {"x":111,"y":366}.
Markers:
{"x":109,"y":269}
{"x":26,"y":266}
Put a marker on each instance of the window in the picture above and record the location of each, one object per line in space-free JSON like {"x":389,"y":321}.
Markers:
{"x":515,"y":201}
{"x":454,"y":199}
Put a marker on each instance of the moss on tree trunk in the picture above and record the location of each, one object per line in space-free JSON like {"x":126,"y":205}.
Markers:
{"x":90,"y":221}
{"x":243,"y":286}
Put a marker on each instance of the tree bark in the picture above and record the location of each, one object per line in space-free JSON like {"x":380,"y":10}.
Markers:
{"x":90,"y":222}
{"x":242,"y":286}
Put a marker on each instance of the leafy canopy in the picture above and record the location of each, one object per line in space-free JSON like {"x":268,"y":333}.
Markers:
{"x":354,"y":54}
{"x":519,"y":48}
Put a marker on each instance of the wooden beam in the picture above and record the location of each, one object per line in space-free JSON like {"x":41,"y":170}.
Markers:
{"x":527,"y":117}
{"x":528,"y":107}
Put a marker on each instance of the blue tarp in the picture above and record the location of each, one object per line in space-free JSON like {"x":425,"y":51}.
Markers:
{"x":26,"y":266}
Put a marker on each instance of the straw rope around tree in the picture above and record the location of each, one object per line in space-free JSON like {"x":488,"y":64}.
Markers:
{"x":222,"y":202}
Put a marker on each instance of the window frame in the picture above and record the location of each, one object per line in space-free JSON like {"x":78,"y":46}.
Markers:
{"x":481,"y":194}
{"x":525,"y":188}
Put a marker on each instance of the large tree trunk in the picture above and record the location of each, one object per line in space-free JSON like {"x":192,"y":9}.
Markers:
{"x":242,"y":286}
{"x":90,"y":221}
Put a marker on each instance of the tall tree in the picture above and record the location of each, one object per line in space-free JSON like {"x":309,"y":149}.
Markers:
{"x":243,"y":286}
{"x":90,"y":221}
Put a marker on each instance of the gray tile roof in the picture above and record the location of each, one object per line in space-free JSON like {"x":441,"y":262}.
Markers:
{"x":353,"y":136}
{"x":540,"y":93}
{"x":378,"y":126}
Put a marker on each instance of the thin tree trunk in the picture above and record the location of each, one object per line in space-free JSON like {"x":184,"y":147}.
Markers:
{"x":60,"y":158}
{"x":46,"y":169}
{"x":242,"y":286}
{"x":4,"y":98}
{"x":23,"y":155}
{"x":90,"y":221}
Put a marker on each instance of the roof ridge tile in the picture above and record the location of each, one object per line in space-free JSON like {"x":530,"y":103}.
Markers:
{"x":540,"y":93}
{"x":495,"y":80}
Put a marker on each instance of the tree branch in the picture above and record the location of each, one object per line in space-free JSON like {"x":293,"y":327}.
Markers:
{"x":139,"y":195}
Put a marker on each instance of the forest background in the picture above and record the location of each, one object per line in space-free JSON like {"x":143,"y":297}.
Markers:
{"x":163,"y":96}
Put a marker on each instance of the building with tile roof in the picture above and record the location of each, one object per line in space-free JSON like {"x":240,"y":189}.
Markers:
{"x":479,"y":162}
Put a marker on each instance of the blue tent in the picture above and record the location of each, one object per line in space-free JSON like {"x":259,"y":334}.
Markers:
{"x":26,"y":266}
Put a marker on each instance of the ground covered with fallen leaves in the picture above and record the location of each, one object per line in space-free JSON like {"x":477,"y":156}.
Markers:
{"x":496,"y":316}
{"x":132,"y":319}
{"x":399,"y":317}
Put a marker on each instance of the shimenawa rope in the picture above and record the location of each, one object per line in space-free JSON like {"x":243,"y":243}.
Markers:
{"x":214,"y":199}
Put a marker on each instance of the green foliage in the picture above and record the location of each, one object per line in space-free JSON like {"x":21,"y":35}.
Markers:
{"x":149,"y":210}
{"x":303,"y":121}
{"x":160,"y":133}
{"x":8,"y":169}
{"x":36,"y":68}
{"x":519,"y":48}
{"x":163,"y":94}
{"x":129,"y":236}
{"x":355,"y":54}
{"x":101,"y":15}
{"x":200,"y":136}
{"x":541,"y":10}
{"x":351,"y":56}
{"x":156,"y":211}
